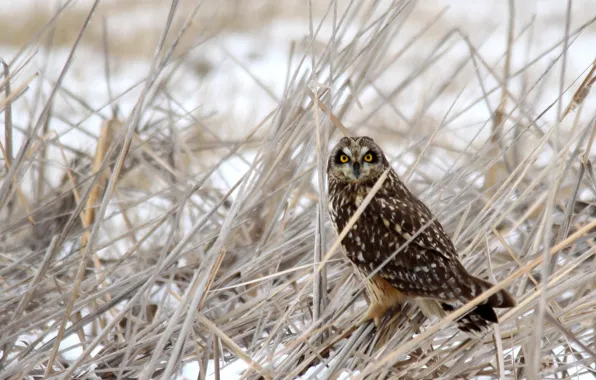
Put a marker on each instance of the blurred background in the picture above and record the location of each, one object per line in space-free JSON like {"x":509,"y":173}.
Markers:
{"x":233,"y":60}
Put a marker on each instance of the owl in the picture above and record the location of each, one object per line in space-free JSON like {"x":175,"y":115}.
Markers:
{"x":427,"y":270}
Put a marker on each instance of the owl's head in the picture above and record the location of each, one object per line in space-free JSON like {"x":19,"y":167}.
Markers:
{"x":356,"y":159}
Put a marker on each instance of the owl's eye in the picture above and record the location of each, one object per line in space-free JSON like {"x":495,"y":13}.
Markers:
{"x":368,"y":157}
{"x":344,"y":158}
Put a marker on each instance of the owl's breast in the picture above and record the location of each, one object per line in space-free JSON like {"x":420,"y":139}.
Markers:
{"x":369,"y":241}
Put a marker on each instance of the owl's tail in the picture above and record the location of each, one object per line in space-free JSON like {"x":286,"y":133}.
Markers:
{"x":480,"y":318}
{"x":477,"y":321}
{"x":501,"y":299}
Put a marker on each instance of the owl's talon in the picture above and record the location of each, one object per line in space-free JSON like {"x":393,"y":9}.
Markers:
{"x":375,"y":311}
{"x":377,"y":322}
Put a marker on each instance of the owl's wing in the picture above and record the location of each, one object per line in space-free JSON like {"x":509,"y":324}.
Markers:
{"x":428,"y":266}
{"x":406,"y":217}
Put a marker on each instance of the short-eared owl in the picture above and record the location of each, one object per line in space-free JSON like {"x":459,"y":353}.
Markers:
{"x":427,"y":269}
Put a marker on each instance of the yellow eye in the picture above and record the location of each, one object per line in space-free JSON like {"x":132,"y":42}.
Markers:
{"x":343,"y":158}
{"x":368,"y":157}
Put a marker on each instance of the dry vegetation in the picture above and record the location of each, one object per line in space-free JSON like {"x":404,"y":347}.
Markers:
{"x":138,"y":251}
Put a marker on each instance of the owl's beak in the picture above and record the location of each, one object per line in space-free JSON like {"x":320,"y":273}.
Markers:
{"x":356,"y":169}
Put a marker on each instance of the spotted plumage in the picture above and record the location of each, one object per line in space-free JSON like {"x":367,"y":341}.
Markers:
{"x":422,"y":263}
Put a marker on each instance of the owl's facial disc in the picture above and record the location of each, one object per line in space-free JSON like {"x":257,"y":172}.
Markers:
{"x":356,"y":164}
{"x":356,"y":160}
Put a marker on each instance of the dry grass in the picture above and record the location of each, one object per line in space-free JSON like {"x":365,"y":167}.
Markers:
{"x":142,"y":257}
